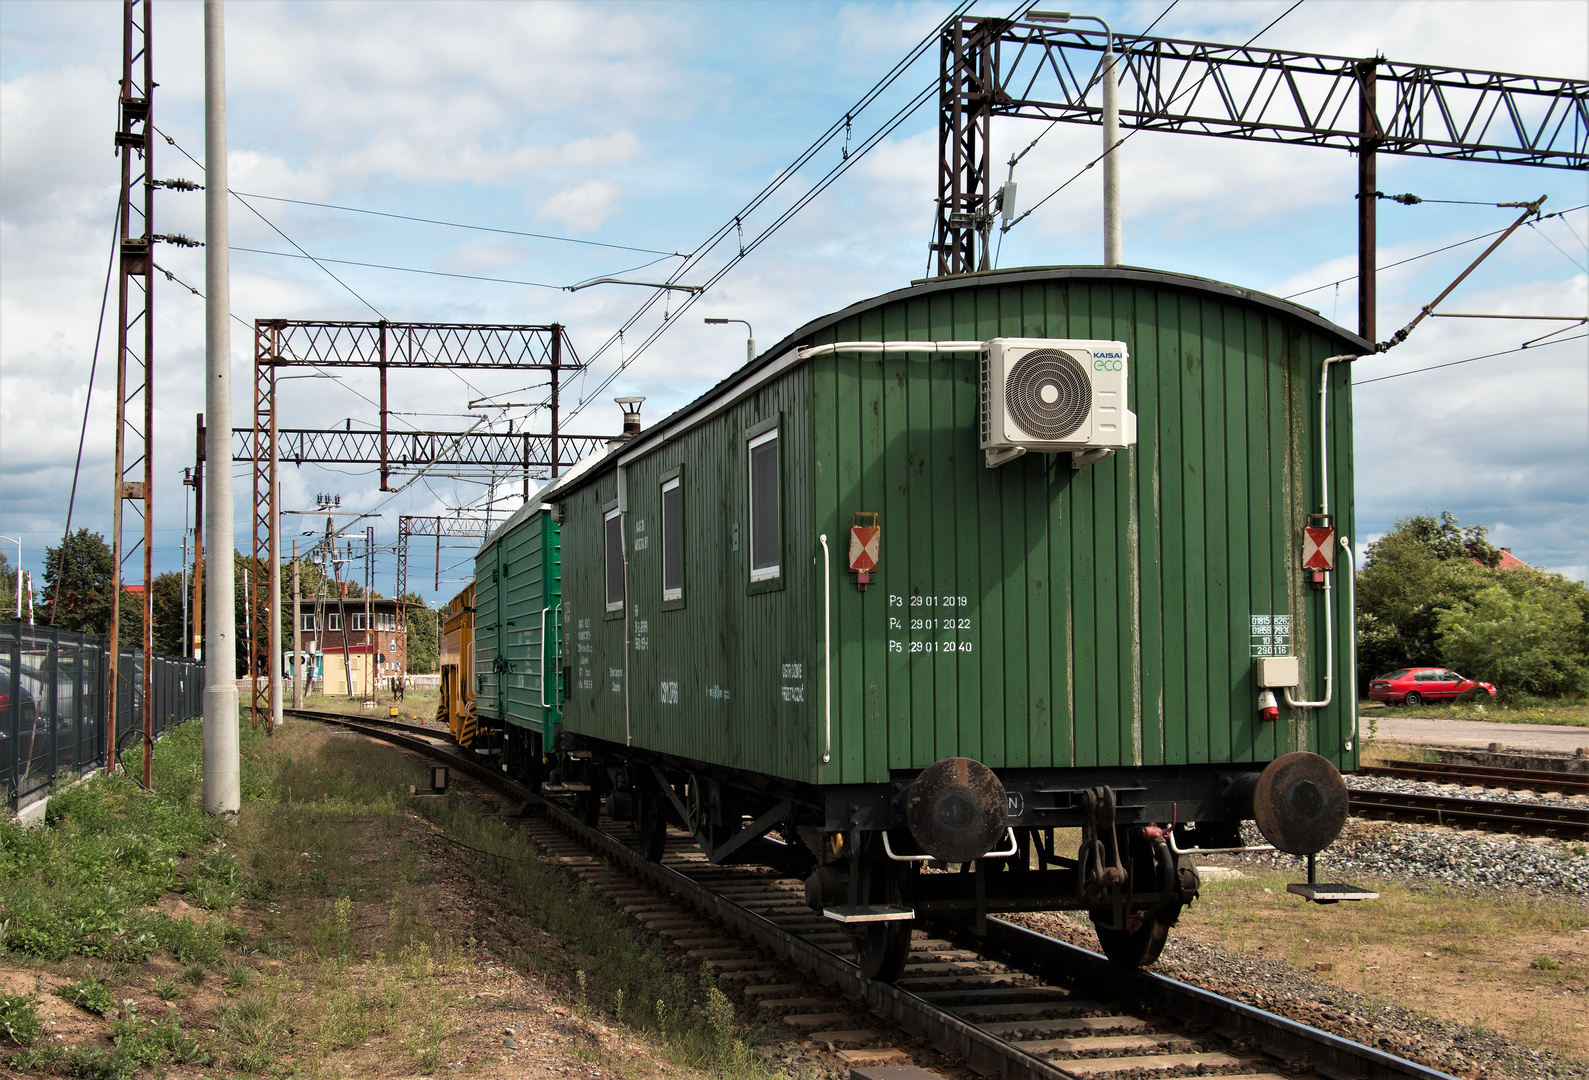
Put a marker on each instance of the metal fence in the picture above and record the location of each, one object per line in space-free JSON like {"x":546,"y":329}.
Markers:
{"x":54,"y":694}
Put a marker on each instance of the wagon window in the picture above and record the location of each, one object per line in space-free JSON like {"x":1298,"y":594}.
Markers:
{"x":672,"y":541}
{"x":614,"y":525}
{"x":764,"y":524}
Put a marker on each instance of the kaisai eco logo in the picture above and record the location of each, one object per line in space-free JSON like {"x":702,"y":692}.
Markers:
{"x":1107,"y":361}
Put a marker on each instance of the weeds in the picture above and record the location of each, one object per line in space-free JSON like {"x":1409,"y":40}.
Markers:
{"x":619,"y":968}
{"x":90,"y":995}
{"x":239,"y":975}
{"x":19,"y":1019}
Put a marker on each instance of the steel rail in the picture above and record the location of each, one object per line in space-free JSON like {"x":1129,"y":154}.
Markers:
{"x":1526,"y":819}
{"x":1020,"y":948}
{"x":1445,"y":772}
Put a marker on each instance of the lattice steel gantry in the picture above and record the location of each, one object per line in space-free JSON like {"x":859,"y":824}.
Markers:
{"x":385,"y":346}
{"x":1043,"y":71}
{"x":134,"y":477}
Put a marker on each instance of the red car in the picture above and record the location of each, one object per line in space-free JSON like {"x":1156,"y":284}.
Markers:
{"x":1414,"y":686}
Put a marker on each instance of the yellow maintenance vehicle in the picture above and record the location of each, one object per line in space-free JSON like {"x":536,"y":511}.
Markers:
{"x":456,"y":707}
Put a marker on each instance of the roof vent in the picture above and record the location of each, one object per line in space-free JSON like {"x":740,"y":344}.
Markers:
{"x":631,"y":415}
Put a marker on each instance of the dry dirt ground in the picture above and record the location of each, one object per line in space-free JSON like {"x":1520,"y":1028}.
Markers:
{"x":460,"y":1006}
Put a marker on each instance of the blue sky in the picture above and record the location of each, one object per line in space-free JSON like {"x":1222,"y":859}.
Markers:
{"x":647,"y":126}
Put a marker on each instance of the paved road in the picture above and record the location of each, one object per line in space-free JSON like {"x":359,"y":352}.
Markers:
{"x":1474,"y":733}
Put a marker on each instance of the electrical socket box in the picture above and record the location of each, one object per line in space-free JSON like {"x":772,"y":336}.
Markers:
{"x":1275,"y":672}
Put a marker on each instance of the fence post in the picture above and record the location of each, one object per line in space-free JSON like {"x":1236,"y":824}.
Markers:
{"x":14,"y":788}
{"x":54,"y":684}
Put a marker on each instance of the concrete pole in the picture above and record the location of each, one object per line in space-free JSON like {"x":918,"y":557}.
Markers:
{"x":221,"y":785}
{"x":1111,"y":161}
{"x":297,"y":632}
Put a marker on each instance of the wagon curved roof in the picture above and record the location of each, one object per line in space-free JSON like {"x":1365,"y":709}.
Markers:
{"x":933,"y":286}
{"x":1026,"y":274}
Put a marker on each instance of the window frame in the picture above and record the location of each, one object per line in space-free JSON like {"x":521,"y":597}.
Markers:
{"x":766,"y":579}
{"x":614,"y":609}
{"x":672,"y":599}
{"x":333,"y":622}
{"x":307,"y":623}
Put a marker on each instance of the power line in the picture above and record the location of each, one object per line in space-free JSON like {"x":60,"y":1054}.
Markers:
{"x":734,"y":227}
{"x":1469,"y":360}
{"x":1128,"y":136}
{"x":462,"y":225}
{"x":400,"y":269}
{"x":1426,"y":254}
{"x":88,"y":401}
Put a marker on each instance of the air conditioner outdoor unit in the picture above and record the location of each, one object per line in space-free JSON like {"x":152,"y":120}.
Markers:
{"x":1052,"y":395}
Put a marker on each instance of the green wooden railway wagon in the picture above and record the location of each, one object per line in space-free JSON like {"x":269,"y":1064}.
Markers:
{"x":809,"y":618}
{"x":518,"y":588}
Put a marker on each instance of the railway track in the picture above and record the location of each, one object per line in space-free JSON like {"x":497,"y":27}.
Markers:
{"x":1012,"y":1003}
{"x":1525,"y":819}
{"x":1441,"y":772}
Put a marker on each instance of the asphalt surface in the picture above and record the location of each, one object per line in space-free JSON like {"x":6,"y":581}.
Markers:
{"x":1478,"y":734}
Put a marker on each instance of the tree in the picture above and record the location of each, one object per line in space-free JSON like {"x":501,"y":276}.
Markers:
{"x":1527,"y":639}
{"x":423,"y":655}
{"x":168,"y":604}
{"x":8,"y":588}
{"x":84,"y":575}
{"x":1412,"y":573}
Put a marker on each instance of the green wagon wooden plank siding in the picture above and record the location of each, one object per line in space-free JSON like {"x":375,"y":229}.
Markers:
{"x":1030,"y":615}
{"x":518,"y":589}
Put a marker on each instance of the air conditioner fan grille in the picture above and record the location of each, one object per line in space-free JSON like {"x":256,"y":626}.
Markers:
{"x":1048,"y":393}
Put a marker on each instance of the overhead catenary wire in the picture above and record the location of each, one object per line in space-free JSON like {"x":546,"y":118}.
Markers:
{"x":1469,"y":360}
{"x":88,"y":401}
{"x":463,"y":225}
{"x":734,"y":227}
{"x":1426,"y":254}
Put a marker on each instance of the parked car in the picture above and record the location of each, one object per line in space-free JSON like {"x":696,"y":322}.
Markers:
{"x":30,"y":709}
{"x":1414,"y":686}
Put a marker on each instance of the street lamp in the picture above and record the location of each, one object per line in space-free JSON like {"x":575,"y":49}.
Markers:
{"x":18,"y":543}
{"x":750,"y":341}
{"x":1111,"y":132}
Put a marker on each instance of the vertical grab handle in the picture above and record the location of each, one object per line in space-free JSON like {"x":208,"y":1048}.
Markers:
{"x":543,"y":657}
{"x":827,"y":653}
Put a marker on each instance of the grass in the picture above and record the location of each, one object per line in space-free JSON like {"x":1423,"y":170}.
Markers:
{"x":1509,"y":963}
{"x":618,"y":971}
{"x":313,"y":937}
{"x":1564,"y":712}
{"x":414,"y":706}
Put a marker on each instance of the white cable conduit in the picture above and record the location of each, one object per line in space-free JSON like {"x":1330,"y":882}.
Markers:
{"x":1351,"y":613}
{"x":827,"y":653}
{"x":1324,"y":508}
{"x":891,"y":346}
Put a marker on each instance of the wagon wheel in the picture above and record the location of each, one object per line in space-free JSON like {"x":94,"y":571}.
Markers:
{"x":882,"y":948}
{"x":1133,"y":948}
{"x":650,"y":824}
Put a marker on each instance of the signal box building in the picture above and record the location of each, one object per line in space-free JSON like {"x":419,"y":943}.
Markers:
{"x":350,"y":644}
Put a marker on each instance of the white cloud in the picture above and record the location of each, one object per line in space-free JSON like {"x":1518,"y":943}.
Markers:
{"x":583,"y":207}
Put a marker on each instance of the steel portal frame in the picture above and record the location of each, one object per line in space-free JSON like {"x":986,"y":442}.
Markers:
{"x":994,"y":67}
{"x":384,"y":345}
